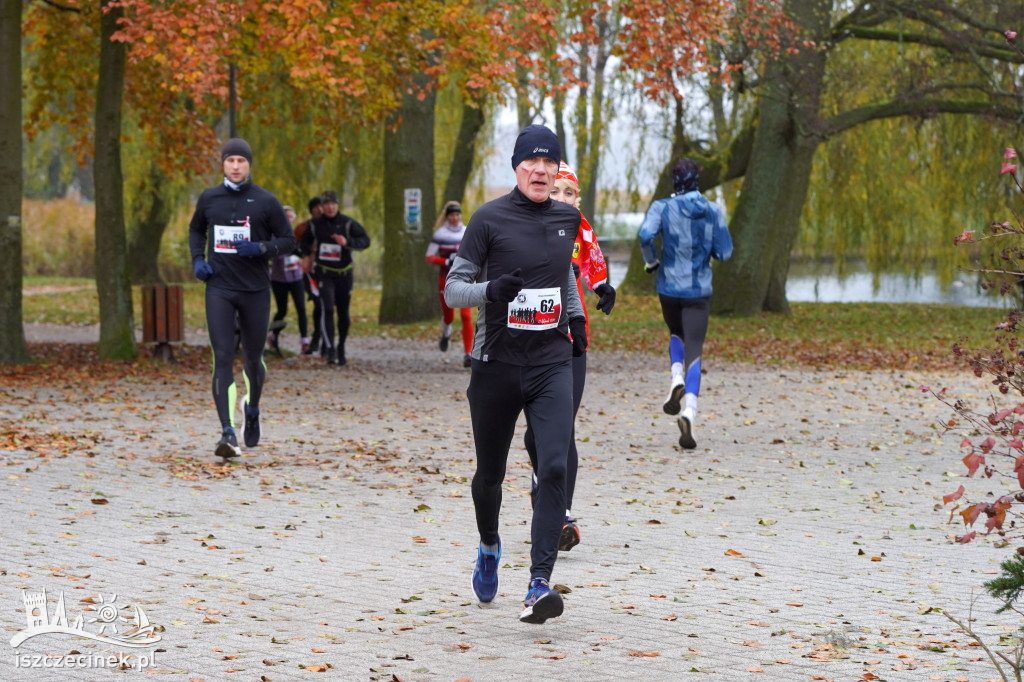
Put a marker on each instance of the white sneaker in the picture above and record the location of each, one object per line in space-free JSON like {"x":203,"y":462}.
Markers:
{"x":675,"y":395}
{"x":685,"y":423}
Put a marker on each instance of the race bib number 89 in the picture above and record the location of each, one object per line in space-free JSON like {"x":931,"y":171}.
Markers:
{"x":535,"y":309}
{"x":223,"y":235}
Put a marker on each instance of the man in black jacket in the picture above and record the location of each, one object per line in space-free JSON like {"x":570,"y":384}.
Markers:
{"x":514,"y":262}
{"x":236,"y":227}
{"x":329,"y":242}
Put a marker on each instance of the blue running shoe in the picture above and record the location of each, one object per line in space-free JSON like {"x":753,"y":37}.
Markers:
{"x":485,"y":574}
{"x":541,"y":602}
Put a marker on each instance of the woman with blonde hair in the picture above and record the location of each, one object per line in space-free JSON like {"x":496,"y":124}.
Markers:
{"x":590,"y":267}
{"x":448,"y":233}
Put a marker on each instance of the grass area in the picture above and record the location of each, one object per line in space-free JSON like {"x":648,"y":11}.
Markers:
{"x":815,"y":334}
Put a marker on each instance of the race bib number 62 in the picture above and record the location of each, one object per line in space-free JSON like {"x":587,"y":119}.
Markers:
{"x":535,"y":309}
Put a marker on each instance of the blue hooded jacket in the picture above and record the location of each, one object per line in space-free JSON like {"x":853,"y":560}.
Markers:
{"x":693,"y":231}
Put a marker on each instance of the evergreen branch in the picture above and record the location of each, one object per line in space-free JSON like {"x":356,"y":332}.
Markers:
{"x":1008,"y":586}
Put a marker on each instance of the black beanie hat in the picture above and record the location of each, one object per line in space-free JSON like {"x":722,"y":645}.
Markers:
{"x":685,"y":175}
{"x":452,"y":207}
{"x":536,"y":140}
{"x":314,"y":202}
{"x":236,"y":146}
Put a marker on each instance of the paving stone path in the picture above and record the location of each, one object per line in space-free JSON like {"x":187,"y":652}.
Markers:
{"x":804,"y":539}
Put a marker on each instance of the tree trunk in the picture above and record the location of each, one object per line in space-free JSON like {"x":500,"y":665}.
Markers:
{"x":464,"y":153}
{"x":12,"y":334}
{"x":590,"y":163}
{"x":145,"y":237}
{"x":775,"y":184}
{"x":117,"y":336}
{"x":409,"y":290}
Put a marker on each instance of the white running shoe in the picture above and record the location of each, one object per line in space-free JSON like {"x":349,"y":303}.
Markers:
{"x":675,"y":395}
{"x":685,"y":423}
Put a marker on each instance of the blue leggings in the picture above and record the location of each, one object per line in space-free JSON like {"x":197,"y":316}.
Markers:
{"x":498,"y":393}
{"x":253,"y":311}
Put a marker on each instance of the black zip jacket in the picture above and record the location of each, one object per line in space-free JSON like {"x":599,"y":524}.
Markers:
{"x":249,"y":205}
{"x":513,"y":232}
{"x":320,"y":231}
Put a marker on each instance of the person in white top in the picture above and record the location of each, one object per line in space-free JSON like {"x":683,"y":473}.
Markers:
{"x":448,"y":233}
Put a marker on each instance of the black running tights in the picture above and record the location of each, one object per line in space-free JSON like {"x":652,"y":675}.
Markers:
{"x":572,"y":462}
{"x":253,"y":311}
{"x":498,"y":393}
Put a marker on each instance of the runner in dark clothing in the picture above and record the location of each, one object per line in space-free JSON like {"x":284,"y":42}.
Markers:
{"x":515,"y":264}
{"x":330,"y":240}
{"x":286,"y":280}
{"x":236,"y":227}
{"x":310,"y":346}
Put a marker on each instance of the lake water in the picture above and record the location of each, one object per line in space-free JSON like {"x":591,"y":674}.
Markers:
{"x":815,"y":285}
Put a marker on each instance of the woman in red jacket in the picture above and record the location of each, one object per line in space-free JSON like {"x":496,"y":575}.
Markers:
{"x":590,"y":266}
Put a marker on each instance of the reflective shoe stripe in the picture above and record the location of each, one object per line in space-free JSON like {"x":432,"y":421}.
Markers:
{"x":548,"y":605}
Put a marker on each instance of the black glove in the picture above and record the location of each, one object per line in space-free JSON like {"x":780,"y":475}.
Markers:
{"x":578,"y":331}
{"x":505,"y":288}
{"x":244,"y":248}
{"x":607,"y":301}
{"x":576,"y":270}
{"x":450,"y":261}
{"x":651,"y":267}
{"x":202,"y":269}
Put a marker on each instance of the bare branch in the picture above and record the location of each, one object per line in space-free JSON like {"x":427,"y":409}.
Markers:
{"x":63,"y":8}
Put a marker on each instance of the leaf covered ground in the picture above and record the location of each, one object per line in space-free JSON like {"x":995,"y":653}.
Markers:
{"x":803,"y":539}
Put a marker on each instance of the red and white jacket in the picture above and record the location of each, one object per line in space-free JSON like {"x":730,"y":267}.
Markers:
{"x":586,"y":254}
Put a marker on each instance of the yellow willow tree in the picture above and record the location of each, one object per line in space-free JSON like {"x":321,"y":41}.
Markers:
{"x":947,"y":179}
{"x":960,"y":65}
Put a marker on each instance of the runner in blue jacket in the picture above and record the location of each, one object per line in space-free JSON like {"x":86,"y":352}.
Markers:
{"x":693,"y":231}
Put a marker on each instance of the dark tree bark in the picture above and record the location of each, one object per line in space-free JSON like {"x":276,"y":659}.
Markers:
{"x":464,"y":154}
{"x":776,"y":180}
{"x":144,"y":238}
{"x":12,"y":333}
{"x":409,"y":289}
{"x":117,"y":336}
